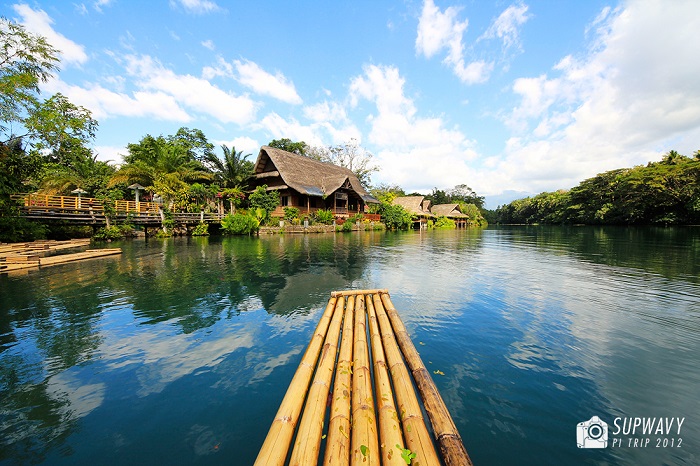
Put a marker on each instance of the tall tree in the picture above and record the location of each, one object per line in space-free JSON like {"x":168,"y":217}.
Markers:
{"x":26,"y":60}
{"x":298,"y":148}
{"x":349,"y":155}
{"x":233,"y":171}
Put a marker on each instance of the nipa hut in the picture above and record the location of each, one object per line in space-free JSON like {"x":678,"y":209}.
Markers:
{"x":309,"y":185}
{"x":417,"y":206}
{"x":451,"y":211}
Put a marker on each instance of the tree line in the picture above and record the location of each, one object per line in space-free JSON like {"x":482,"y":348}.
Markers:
{"x":659,"y":193}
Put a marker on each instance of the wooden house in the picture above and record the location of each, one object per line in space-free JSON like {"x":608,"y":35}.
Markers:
{"x":451,"y":211}
{"x":418,"y":206}
{"x":309,"y":185}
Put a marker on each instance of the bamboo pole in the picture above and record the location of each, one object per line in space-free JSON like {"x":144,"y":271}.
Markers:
{"x":276,"y":445}
{"x":308,"y":441}
{"x":389,"y":426}
{"x":338,"y":441}
{"x":364,"y":444}
{"x":451,"y":445}
{"x":356,"y":292}
{"x":418,"y":440}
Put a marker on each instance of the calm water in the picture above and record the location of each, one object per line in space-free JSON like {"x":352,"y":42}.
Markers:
{"x":179,"y":351}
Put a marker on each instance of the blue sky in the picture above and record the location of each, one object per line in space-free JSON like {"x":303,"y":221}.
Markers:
{"x":510,"y":98}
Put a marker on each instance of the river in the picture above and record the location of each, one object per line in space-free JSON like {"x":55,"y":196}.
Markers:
{"x":179,"y":351}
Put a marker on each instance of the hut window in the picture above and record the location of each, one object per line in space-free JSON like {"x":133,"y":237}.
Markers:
{"x":285,"y":201}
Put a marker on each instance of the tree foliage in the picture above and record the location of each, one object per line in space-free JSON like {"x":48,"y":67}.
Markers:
{"x":233,"y":171}
{"x":665,"y":192}
{"x":459,"y":194}
{"x":26,"y":60}
{"x":265,"y":200}
{"x":287,"y":144}
{"x":395,"y":217}
{"x":349,"y":155}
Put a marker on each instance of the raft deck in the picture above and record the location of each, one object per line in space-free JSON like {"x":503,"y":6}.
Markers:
{"x":364,"y":368}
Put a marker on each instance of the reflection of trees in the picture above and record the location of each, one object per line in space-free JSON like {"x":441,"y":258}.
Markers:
{"x":670,"y":252}
{"x":32,"y":419}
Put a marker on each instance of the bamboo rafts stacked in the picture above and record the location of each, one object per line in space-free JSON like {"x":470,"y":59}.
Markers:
{"x":358,"y":375}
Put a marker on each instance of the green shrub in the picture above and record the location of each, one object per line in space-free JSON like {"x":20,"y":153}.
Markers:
{"x":291,"y":214}
{"x":239,"y":224}
{"x":201,"y":230}
{"x":114,"y":232}
{"x":347,"y":226}
{"x":108,"y":233}
{"x":14,"y":229}
{"x":325,"y":217}
{"x":395,"y":217}
{"x":444,"y":222}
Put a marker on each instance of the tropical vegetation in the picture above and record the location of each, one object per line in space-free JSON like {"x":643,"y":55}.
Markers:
{"x":659,"y":193}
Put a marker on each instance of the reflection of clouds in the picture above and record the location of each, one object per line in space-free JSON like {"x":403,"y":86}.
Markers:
{"x":263,"y":369}
{"x":164,"y":357}
{"x":80,"y":399}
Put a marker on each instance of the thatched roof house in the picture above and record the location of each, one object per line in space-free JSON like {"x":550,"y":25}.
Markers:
{"x":448,"y":210}
{"x":308,"y":184}
{"x":415,"y":205}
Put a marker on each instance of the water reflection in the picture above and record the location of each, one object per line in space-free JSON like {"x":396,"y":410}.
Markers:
{"x":180,"y":350}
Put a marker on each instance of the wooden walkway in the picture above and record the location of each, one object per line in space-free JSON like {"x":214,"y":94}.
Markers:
{"x":364,"y":367}
{"x":91,"y":211}
{"x":23,"y":256}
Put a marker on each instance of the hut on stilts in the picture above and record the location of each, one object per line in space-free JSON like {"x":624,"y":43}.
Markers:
{"x":363,"y":361}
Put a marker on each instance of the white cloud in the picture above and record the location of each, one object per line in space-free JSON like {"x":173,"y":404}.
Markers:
{"x":631,"y":98}
{"x":197,"y":6}
{"x":245,"y":144}
{"x":262,"y":82}
{"x":195,"y":93}
{"x":438,"y":31}
{"x":101,"y":3}
{"x":110,"y":154}
{"x":38,"y":22}
{"x":104,"y":103}
{"x":222,"y":68}
{"x":417,"y":149}
{"x":506,"y":26}
{"x":208,"y":44}
{"x":278,"y":127}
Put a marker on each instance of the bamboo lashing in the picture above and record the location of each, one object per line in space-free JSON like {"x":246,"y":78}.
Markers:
{"x":274,"y":449}
{"x":338,"y":443}
{"x":308,"y":440}
{"x":451,"y":445}
{"x":389,"y":425}
{"x":375,"y":415}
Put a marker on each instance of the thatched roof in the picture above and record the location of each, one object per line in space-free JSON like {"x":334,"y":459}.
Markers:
{"x":412,"y":205}
{"x":306,"y":175}
{"x":447,"y":210}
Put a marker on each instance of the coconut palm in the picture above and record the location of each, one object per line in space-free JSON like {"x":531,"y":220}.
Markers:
{"x":233,"y":171}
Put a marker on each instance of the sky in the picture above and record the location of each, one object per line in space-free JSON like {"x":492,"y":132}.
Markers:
{"x":509,"y":98}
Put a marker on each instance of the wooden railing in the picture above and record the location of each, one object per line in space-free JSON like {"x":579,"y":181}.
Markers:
{"x":72,"y":203}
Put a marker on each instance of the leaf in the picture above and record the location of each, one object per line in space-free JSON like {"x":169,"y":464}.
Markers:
{"x":364,"y":450}
{"x":439,"y":372}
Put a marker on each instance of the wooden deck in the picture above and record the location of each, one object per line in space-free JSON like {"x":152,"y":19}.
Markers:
{"x":25,"y":256}
{"x":364,"y":368}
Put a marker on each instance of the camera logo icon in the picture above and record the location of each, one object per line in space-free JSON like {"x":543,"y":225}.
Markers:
{"x":592,"y":433}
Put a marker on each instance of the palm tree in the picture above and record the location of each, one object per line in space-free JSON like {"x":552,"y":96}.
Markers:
{"x":233,"y":171}
{"x":167,"y":169}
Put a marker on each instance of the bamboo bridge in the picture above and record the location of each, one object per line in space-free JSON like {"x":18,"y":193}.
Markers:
{"x":78,"y":210}
{"x":361,"y":407}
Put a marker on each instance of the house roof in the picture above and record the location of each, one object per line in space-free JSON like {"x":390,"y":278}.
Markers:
{"x":447,"y":210}
{"x":412,"y":205}
{"x":309,"y":176}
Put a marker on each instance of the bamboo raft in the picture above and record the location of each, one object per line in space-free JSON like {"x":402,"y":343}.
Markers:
{"x":16,"y":262}
{"x":363,"y":361}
